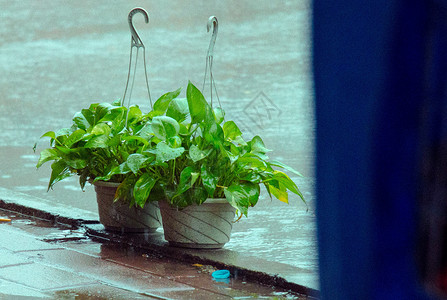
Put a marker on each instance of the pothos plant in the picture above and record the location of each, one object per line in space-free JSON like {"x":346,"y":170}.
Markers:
{"x":182,"y":151}
{"x":101,"y":138}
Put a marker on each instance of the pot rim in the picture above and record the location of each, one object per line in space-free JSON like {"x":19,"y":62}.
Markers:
{"x":106,"y":183}
{"x":208,"y":200}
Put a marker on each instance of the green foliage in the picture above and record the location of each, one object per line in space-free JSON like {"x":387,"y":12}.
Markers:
{"x":183,"y":151}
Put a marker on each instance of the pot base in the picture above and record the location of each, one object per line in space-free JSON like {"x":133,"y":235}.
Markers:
{"x":128,"y":230}
{"x":196,"y":246}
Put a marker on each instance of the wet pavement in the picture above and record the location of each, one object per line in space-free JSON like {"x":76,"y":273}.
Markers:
{"x":57,"y":59}
{"x":247,"y":264}
{"x":39,"y":260}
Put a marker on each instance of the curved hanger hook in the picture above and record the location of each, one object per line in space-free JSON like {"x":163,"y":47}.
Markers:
{"x":212,"y":21}
{"x":136,"y":41}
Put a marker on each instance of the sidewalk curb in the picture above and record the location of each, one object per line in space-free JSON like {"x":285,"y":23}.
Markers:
{"x":27,"y":206}
{"x":203,"y":257}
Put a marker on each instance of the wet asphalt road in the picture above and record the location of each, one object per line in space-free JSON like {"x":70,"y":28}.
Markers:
{"x":58,"y":57}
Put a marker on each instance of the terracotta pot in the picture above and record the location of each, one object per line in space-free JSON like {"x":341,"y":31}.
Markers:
{"x":207,"y":225}
{"x":119,"y":217}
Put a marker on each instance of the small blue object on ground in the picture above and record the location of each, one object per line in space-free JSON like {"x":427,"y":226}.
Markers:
{"x":221,"y":274}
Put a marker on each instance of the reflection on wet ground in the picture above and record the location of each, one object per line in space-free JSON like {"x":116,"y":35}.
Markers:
{"x":72,"y":266}
{"x":58,"y":59}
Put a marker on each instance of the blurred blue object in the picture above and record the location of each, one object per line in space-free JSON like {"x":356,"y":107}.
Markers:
{"x":221,"y":274}
{"x":377,"y":66}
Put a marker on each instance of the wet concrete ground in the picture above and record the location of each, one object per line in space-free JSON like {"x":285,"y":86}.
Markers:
{"x":38,"y":260}
{"x":58,"y":58}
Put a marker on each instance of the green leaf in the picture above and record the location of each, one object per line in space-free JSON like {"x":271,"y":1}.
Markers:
{"x":178,"y":109}
{"x":121,"y":169}
{"x":251,"y":176}
{"x":80,"y":120}
{"x":114,"y":141}
{"x":142,"y":188}
{"x":187,"y":179}
{"x":50,"y":134}
{"x":242,"y":196}
{"x":232,"y":155}
{"x":123,"y":191}
{"x":64,"y":132}
{"x":166,"y":153}
{"x":219,"y":114}
{"x":161,"y":105}
{"x":174,"y":142}
{"x":46,"y":155}
{"x":101,"y":128}
{"x":198,"y":107}
{"x":196,"y":195}
{"x":257,"y":146}
{"x":136,"y":161}
{"x":101,"y":110}
{"x":183,"y":129}
{"x":239,"y":140}
{"x":284,"y":166}
{"x":75,"y":137}
{"x":99,"y":141}
{"x":118,"y":118}
{"x":136,"y":138}
{"x":213,"y":134}
{"x":59,"y":172}
{"x":279,"y":193}
{"x":266,"y":184}
{"x":83,"y":178}
{"x":135,"y":114}
{"x":165,"y":127}
{"x":231,"y":130}
{"x":64,"y":150}
{"x":288,"y":183}
{"x":196,"y":154}
{"x":76,"y":164}
{"x":146,"y":131}
{"x":209,"y":180}
{"x":255,"y":162}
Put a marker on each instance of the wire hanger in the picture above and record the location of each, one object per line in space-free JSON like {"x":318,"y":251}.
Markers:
{"x":137,"y":43}
{"x":212,"y":22}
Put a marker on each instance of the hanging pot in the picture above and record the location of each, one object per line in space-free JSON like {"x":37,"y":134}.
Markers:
{"x":207,"y":225}
{"x":118,"y":216}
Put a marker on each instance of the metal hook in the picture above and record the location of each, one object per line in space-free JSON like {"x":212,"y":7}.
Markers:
{"x":137,"y":43}
{"x":212,"y":21}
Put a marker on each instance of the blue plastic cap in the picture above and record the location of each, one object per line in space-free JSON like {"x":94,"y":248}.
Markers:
{"x":221,"y":274}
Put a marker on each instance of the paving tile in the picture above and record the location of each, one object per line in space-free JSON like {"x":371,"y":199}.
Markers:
{"x":12,"y":290}
{"x":165,"y":267}
{"x":193,"y":295}
{"x":180,"y":272}
{"x":9,"y":258}
{"x":175,"y":271}
{"x":97,"y":291}
{"x":197,"y":277}
{"x":102,"y":250}
{"x":43,"y":277}
{"x":88,"y":269}
{"x":15,"y":240}
{"x":108,"y":272}
{"x":232,"y":287}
